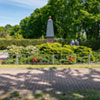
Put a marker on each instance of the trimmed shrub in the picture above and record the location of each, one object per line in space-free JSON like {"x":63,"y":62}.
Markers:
{"x":56,"y":48}
{"x":97,"y":55}
{"x":20,"y":50}
{"x":73,"y":48}
{"x":4,"y":43}
{"x":63,"y":41}
{"x":83,"y":50}
{"x":44,"y":53}
{"x":94,"y":44}
{"x":79,"y":53}
{"x":83,"y":53}
{"x":61,"y":53}
{"x":25,"y":54}
{"x":66,"y":59}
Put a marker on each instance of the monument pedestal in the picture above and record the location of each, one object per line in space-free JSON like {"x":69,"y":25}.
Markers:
{"x":50,"y":40}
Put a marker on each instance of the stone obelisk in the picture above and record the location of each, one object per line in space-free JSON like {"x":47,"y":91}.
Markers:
{"x":50,"y":31}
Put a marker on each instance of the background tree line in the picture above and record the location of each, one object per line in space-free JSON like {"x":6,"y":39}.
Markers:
{"x":72,"y":19}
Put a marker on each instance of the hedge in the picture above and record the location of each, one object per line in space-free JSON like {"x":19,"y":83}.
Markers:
{"x":81,"y":52}
{"x":4,"y":43}
{"x":45,"y":51}
{"x":20,"y":42}
{"x":94,"y":44}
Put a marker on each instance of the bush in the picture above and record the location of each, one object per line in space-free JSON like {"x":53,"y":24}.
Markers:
{"x":41,"y":59}
{"x":4,"y":43}
{"x":83,"y":50}
{"x":44,"y":53}
{"x":73,"y":48}
{"x":9,"y":61}
{"x":94,"y":44}
{"x":63,"y":41}
{"x":79,"y":53}
{"x":56,"y":48}
{"x":66,"y":59}
{"x":83,"y":54}
{"x":25,"y":54}
{"x":97,"y":55}
{"x":20,"y":50}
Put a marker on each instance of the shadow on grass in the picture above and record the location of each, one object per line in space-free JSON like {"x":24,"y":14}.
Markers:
{"x":58,"y":83}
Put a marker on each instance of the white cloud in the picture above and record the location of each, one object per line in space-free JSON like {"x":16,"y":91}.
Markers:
{"x":31,"y":4}
{"x":4,"y":20}
{"x":27,"y":3}
{"x":9,"y":22}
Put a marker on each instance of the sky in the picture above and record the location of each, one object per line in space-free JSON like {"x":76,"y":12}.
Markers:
{"x":12,"y":11}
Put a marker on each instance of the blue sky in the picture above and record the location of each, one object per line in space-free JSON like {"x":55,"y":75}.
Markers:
{"x":12,"y":11}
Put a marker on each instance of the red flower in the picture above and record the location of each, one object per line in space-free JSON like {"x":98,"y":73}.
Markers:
{"x":34,"y":59}
{"x":71,"y":58}
{"x":0,"y":59}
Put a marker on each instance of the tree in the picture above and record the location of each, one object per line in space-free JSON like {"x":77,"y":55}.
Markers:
{"x":72,"y":18}
{"x":3,"y":32}
{"x":15,"y":29}
{"x":91,"y":18}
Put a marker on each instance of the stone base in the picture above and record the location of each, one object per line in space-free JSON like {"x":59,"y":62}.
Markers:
{"x":50,"y":40}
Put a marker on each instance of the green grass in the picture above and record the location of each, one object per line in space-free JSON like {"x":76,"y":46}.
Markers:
{"x":50,"y":66}
{"x":82,"y":95}
{"x":79,"y":95}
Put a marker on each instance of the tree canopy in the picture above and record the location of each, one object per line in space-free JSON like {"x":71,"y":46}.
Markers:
{"x":72,"y":19}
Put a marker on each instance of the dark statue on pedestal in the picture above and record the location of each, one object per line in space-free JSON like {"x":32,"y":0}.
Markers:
{"x":50,"y":31}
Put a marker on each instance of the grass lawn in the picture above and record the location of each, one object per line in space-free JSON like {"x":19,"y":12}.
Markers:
{"x":51,"y":66}
{"x":82,"y":95}
{"x":79,"y":95}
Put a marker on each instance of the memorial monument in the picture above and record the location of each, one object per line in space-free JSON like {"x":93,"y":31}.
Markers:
{"x":50,"y":31}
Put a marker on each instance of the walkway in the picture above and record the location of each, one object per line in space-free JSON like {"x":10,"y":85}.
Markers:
{"x":31,"y":81}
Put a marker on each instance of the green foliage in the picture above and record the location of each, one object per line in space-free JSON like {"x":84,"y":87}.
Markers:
{"x":25,"y":54}
{"x":18,"y":36}
{"x":79,"y":53}
{"x":83,"y":54}
{"x":55,"y":48}
{"x":66,"y":59}
{"x":97,"y":55}
{"x":80,"y":49}
{"x":72,"y":19}
{"x":45,"y":58}
{"x":4,"y":43}
{"x":71,"y":47}
{"x":10,"y":32}
{"x":29,"y":50}
{"x":11,"y":61}
{"x":8,"y":27}
{"x":15,"y":30}
{"x":94,"y":44}
{"x":45,"y":51}
{"x":83,"y":50}
{"x":3,"y":33}
{"x":73,"y":95}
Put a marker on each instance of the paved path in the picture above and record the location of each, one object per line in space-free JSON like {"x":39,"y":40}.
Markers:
{"x":31,"y":81}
